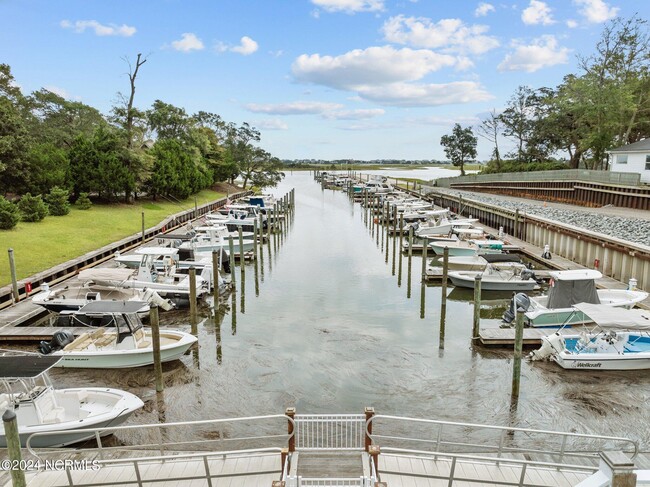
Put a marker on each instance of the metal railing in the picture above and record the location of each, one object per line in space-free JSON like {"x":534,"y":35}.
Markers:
{"x":330,"y":431}
{"x":329,"y":482}
{"x":456,"y":474}
{"x":187,"y":436}
{"x":452,"y":437}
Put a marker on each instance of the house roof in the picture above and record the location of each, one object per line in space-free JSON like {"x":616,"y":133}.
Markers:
{"x":640,"y":146}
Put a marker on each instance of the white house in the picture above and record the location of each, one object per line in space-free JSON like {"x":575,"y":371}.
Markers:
{"x":632,"y":158}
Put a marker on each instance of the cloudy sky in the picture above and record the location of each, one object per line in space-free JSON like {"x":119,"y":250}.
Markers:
{"x":330,"y":79}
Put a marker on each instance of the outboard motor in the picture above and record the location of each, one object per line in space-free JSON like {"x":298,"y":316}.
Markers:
{"x":528,"y":274}
{"x":522,"y":303}
{"x":59,"y":340}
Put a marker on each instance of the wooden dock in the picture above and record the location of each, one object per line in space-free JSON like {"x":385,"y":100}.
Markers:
{"x":35,"y":333}
{"x":502,"y":337}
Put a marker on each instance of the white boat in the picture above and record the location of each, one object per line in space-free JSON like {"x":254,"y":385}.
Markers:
{"x":505,"y":276}
{"x":619,"y":341}
{"x":567,"y":288}
{"x":121,"y":343}
{"x":243,"y":217}
{"x":479,"y":262}
{"x":211,"y":238}
{"x":40,"y":408}
{"x":467,"y":247}
{"x":169,"y":283}
{"x":375,"y":186}
{"x":75,"y":295}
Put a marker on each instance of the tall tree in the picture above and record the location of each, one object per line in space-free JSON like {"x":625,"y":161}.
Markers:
{"x":490,"y":129}
{"x":130,"y":113}
{"x":460,"y":146}
{"x":519,"y":119}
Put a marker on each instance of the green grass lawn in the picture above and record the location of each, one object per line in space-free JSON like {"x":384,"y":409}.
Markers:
{"x":41,"y":245}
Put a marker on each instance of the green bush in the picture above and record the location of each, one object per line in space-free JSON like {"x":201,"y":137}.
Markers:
{"x":9,"y":214}
{"x":83,"y":202}
{"x":514,"y":166}
{"x":57,"y":201}
{"x":32,"y":208}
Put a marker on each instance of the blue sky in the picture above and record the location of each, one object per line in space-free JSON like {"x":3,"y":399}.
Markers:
{"x":364,"y":79}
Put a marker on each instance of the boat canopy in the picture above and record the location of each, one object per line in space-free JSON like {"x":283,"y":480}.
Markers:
{"x":616,"y":318}
{"x":105,"y":274}
{"x":105,"y":307}
{"x":26,"y":366}
{"x":564,"y":293}
{"x":157,"y":251}
{"x":492,"y":258}
{"x":576,"y":275}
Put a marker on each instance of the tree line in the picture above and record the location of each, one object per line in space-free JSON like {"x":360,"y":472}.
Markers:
{"x":605,"y":105}
{"x":49,"y":142}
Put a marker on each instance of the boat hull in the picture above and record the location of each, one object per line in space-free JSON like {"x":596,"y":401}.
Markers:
{"x":602,"y":361}
{"x":460,"y":279}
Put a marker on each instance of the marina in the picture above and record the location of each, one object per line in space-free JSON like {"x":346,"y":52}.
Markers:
{"x":330,"y":315}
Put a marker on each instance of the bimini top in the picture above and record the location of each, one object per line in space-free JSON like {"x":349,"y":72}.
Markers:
{"x":616,"y":318}
{"x":25,"y":366}
{"x":157,"y":251}
{"x":576,"y":275}
{"x":105,"y":306}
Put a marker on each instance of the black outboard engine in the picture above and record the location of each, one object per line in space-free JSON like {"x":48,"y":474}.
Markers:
{"x":59,"y":340}
{"x":528,"y":274}
{"x":522,"y":303}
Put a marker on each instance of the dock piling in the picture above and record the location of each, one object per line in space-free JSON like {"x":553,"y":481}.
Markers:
{"x":14,"y":280}
{"x":143,"y":227}
{"x":516,"y":363}
{"x":241,"y":252}
{"x":477,"y":307}
{"x":193,"y":295}
{"x":291,"y":413}
{"x":394,"y":237}
{"x":155,"y":340}
{"x":10,"y":422}
{"x":401,"y":241}
{"x":408,"y":284}
{"x":231,"y":259}
{"x":255,"y":239}
{"x":215,"y":279}
{"x":443,"y":299}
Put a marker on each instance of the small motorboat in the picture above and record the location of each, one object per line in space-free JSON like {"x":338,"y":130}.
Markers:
{"x":505,"y":276}
{"x":121,"y":342}
{"x":40,"y":408}
{"x":467,"y":247}
{"x":479,"y":262}
{"x":619,"y":341}
{"x":567,"y":288}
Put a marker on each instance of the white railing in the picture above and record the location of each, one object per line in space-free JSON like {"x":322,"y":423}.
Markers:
{"x":170,"y":438}
{"x":448,"y":436}
{"x":330,"y":431}
{"x":458,"y":474}
{"x":329,"y":482}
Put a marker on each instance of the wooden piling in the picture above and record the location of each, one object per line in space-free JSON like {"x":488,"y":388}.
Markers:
{"x":410,"y":258}
{"x":401,"y":248}
{"x":10,"y":422}
{"x":443,"y":298}
{"x":386,"y":224}
{"x":193,"y":313}
{"x":155,"y":341}
{"x":516,"y":363}
{"x":215,"y":279}
{"x":255,"y":239}
{"x":515,"y":228}
{"x":425,"y":246}
{"x":196,"y":209}
{"x":143,"y":227}
{"x":241,"y":252}
{"x":477,"y":306}
{"x":231,"y":259}
{"x":394,"y":237}
{"x":370,"y":412}
{"x":14,"y":280}
{"x":291,"y":413}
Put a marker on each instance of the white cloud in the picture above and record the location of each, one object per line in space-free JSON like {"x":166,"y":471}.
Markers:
{"x":450,"y":34}
{"x":80,"y":26}
{"x":420,"y":95}
{"x":571,"y":24}
{"x":483,"y":9}
{"x":350,"y":6}
{"x":371,"y":66}
{"x":359,"y":114}
{"x":542,"y":53}
{"x":188,"y":42}
{"x":270,"y":124}
{"x":293,"y":108}
{"x":537,"y":13}
{"x":596,"y":11}
{"x":442,"y":121}
{"x":246,"y":46}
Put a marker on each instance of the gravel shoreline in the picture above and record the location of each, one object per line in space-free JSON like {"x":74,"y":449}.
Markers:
{"x":635,"y":230}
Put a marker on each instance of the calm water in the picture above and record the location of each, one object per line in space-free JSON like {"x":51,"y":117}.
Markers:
{"x":327,"y":329}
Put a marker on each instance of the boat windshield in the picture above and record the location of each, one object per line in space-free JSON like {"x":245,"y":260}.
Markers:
{"x":26,"y":389}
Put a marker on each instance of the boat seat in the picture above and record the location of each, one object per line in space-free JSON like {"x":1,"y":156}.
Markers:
{"x":144,"y":344}
{"x":107,"y":339}
{"x":80,"y":343}
{"x":54,"y":415}
{"x":98,"y":332}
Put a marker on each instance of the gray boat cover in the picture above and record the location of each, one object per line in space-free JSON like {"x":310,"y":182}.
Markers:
{"x":616,"y":318}
{"x":491,"y":258}
{"x":564,"y":294}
